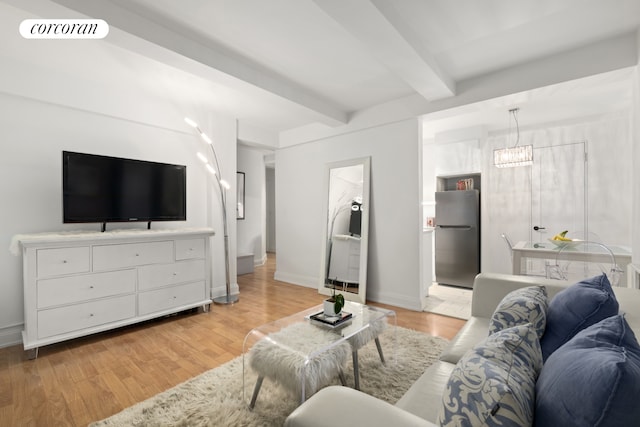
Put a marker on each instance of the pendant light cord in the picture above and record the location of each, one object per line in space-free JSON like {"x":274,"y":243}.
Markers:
{"x":514,"y":112}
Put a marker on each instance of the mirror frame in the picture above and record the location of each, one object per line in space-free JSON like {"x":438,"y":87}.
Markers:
{"x":361,"y":296}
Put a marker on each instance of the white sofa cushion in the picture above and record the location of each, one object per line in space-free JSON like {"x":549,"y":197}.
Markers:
{"x":345,"y":406}
{"x":490,"y":288}
{"x":474,"y":331}
{"x":424,"y":397}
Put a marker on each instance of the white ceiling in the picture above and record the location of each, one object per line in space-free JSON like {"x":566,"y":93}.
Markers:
{"x":587,"y":97}
{"x":284,"y":64}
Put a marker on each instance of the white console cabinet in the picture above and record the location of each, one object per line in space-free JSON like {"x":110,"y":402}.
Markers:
{"x":345,"y":259}
{"x":81,"y":283}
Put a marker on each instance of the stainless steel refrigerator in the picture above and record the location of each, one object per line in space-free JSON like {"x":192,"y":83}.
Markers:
{"x":457,"y":237}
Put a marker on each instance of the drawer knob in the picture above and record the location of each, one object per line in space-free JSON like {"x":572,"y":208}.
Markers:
{"x":137,"y":254}
{"x":175,"y":274}
{"x":64,"y":261}
{"x":90,"y":286}
{"x":90,"y":314}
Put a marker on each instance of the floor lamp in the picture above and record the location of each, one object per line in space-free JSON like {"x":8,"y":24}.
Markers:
{"x":223,"y":186}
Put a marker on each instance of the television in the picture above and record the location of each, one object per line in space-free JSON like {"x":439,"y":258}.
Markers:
{"x":111,"y":189}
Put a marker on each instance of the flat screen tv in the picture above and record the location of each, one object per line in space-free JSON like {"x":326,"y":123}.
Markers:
{"x":112,"y":189}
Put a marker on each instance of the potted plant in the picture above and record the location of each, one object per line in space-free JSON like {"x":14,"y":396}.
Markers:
{"x":333,"y":305}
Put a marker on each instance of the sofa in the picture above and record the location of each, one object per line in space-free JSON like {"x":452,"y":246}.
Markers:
{"x":422,"y":404}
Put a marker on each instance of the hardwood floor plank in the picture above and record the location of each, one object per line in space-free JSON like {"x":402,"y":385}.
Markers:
{"x":78,"y":412}
{"x":76,"y":382}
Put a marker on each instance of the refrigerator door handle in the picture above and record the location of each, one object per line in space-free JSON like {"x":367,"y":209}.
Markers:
{"x":457,"y":227}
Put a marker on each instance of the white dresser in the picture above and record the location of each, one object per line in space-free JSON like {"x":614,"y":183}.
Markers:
{"x":81,"y":283}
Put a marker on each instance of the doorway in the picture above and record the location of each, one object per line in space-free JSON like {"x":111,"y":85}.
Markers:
{"x":559,"y":198}
{"x":270,"y":183}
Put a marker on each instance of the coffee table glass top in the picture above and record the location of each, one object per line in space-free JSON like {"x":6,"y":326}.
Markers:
{"x":298,"y":336}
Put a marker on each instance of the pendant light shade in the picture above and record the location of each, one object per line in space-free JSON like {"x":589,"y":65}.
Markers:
{"x":514,"y":156}
{"x":518,"y":155}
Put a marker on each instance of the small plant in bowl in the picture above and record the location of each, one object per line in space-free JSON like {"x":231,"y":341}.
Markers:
{"x":333,"y":305}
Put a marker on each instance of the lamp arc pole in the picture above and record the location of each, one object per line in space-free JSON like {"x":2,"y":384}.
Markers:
{"x":223,"y":186}
{"x":228,"y":298}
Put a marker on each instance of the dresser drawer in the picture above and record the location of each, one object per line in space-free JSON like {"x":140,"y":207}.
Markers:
{"x":68,"y":290}
{"x":156,"y":276}
{"x":167,"y":298}
{"x":59,"y":261}
{"x":354,"y":248}
{"x":189,"y":249}
{"x":81,"y":316}
{"x":110,"y":257}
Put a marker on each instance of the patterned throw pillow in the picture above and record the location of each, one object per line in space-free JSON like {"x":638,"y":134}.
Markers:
{"x":494,"y":383}
{"x":525,"y":305}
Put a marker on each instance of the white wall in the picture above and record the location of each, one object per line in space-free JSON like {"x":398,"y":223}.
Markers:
{"x":636,"y":161}
{"x":395,"y":217}
{"x":34,"y":136}
{"x":506,"y":193}
{"x":45,"y":109}
{"x":252,"y":229}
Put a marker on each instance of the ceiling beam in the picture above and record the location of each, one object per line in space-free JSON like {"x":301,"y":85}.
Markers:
{"x":218,"y":63}
{"x":380,"y":30}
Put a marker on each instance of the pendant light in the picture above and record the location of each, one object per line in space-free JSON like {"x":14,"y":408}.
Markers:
{"x":518,"y":155}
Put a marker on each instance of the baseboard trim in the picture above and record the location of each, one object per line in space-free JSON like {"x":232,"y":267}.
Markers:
{"x":306,"y":281}
{"x":11,"y":335}
{"x":221,"y":291}
{"x":261,"y":261}
{"x":395,"y":300}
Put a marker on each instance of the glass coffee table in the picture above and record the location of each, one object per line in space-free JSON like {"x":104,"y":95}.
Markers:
{"x":304,"y":355}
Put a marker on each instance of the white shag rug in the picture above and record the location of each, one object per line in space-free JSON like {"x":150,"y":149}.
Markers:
{"x":215,"y":398}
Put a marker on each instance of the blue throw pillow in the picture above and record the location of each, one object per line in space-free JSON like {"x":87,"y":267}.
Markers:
{"x":593,"y":380}
{"x":493,"y":384}
{"x":519,"y":307}
{"x":575,"y":308}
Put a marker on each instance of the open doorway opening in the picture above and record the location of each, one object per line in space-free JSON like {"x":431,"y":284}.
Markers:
{"x":270,"y":183}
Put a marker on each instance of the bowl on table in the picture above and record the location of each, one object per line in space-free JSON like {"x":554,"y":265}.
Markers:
{"x":566,"y":243}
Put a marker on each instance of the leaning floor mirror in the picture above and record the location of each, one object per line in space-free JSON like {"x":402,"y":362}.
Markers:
{"x":345,"y":237}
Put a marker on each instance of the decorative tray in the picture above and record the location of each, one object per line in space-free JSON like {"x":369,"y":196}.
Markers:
{"x":332,"y":321}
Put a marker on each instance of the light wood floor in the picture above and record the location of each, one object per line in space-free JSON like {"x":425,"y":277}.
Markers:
{"x":88,"y":379}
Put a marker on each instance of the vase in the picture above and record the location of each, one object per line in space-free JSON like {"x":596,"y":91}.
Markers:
{"x":329,"y":306}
